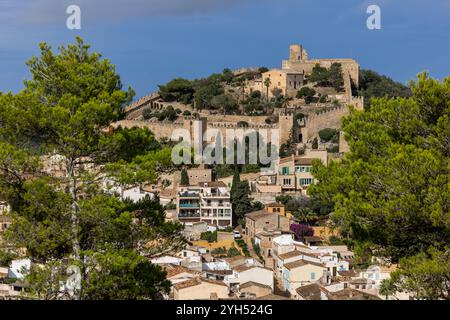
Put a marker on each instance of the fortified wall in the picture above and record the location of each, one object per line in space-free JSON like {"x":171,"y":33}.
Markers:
{"x":331,"y":118}
{"x":301,"y":131}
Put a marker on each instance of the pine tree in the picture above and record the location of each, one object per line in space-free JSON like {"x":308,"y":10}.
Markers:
{"x":65,"y":221}
{"x":184,"y":178}
{"x":240,"y":200}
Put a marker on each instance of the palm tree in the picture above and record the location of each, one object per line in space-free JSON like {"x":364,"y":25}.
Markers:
{"x":306,"y":215}
{"x":267,"y":83}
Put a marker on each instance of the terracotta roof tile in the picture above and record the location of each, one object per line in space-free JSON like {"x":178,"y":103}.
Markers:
{"x":301,"y":263}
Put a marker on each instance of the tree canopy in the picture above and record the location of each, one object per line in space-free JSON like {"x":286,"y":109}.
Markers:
{"x":374,"y":85}
{"x":392,"y":191}
{"x":61,"y":118}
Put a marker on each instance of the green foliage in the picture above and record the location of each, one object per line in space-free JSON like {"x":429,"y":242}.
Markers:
{"x":227,"y":75}
{"x":328,"y":77}
{"x":256,"y":206}
{"x":241,"y":243}
{"x":113,"y":275}
{"x":289,"y":147}
{"x":306,"y":93}
{"x":335,"y":76}
{"x":184,"y":178}
{"x":168,"y":113}
{"x":210,"y":236}
{"x":329,"y":134}
{"x":315,"y":144}
{"x":387,"y":288}
{"x":373,"y":85}
{"x":333,"y":149}
{"x":425,"y":275}
{"x":147,"y":114}
{"x":178,"y":89}
{"x":225,"y":102}
{"x":138,"y":278}
{"x":392,"y":192}
{"x":319,"y":75}
{"x":6,"y":257}
{"x":126,"y":144}
{"x":65,"y":110}
{"x":206,"y":89}
{"x":283,"y":198}
{"x":240,"y":200}
{"x":335,"y":241}
{"x":233,"y":252}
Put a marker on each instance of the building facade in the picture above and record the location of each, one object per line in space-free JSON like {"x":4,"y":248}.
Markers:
{"x":208,"y":201}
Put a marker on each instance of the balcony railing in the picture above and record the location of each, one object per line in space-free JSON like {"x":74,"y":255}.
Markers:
{"x":216,"y":195}
{"x":189,"y":215}
{"x":188,"y":195}
{"x":189,"y":205}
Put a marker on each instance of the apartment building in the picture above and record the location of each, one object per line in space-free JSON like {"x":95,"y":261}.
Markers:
{"x":207,"y":201}
{"x":294,"y":172}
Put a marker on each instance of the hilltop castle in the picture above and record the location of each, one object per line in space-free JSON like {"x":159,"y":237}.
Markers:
{"x":289,"y":79}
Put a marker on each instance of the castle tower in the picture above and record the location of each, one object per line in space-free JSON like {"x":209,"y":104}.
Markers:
{"x":297,"y":53}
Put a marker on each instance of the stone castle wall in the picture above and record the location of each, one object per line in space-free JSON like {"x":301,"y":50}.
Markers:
{"x":326,"y":119}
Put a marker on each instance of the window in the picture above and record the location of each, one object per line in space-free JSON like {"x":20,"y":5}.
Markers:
{"x":313,"y":276}
{"x":305,"y":181}
{"x":285,"y":170}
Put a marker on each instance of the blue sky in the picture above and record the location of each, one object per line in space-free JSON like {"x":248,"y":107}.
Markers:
{"x":153,"y":41}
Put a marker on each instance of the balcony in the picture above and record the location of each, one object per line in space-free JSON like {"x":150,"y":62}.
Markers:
{"x":188,"y":194}
{"x":216,"y":195}
{"x":188,"y":215}
{"x":189,"y":205}
{"x":216,"y":205}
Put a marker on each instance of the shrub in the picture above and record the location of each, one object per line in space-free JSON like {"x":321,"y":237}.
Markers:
{"x":233,"y":251}
{"x":315,"y":144}
{"x":209,"y":236}
{"x":301,"y":231}
{"x":333,"y":149}
{"x":307,"y":94}
{"x":328,"y":134}
{"x":147,"y":114}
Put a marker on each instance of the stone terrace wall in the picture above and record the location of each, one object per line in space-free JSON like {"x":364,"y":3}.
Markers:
{"x":326,"y":119}
{"x":160,"y":129}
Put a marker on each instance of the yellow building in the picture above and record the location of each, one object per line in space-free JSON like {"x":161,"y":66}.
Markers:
{"x":299,"y":273}
{"x":200,"y":289}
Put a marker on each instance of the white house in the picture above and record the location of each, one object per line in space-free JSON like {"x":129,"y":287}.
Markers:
{"x":19,"y":268}
{"x":167,"y":259}
{"x":250,"y":273}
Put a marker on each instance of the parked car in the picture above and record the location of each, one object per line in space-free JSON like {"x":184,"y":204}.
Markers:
{"x":237,"y":234}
